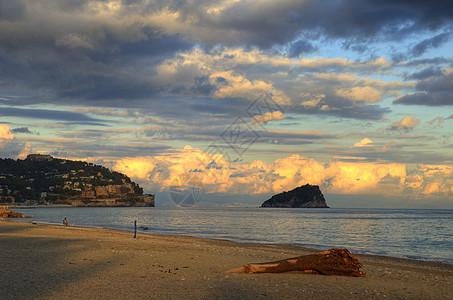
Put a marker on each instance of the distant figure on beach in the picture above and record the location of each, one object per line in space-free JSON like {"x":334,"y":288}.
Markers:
{"x":65,"y":222}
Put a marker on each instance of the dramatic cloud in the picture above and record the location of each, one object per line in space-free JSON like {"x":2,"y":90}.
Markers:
{"x":431,"y":180}
{"x":119,"y":44}
{"x":307,"y":85}
{"x":300,"y":47}
{"x":9,"y":147}
{"x":258,"y":177}
{"x":426,"y":73}
{"x":129,"y":83}
{"x":360,"y":178}
{"x":139,"y":169}
{"x":433,"y":91}
{"x":433,"y":42}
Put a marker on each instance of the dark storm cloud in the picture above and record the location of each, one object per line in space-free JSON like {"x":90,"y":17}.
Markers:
{"x":294,"y":135}
{"x":11,"y":9}
{"x":21,"y":130}
{"x":266,"y":24}
{"x":426,"y":73}
{"x":433,"y":42}
{"x":256,"y":23}
{"x":433,"y":91}
{"x":84,"y":150}
{"x":361,"y":112}
{"x":300,"y":47}
{"x":66,"y":116}
{"x":90,"y":75}
{"x":343,"y":108}
{"x":163,"y":46}
{"x":429,"y":61}
{"x":356,"y":23}
{"x":69,"y":51}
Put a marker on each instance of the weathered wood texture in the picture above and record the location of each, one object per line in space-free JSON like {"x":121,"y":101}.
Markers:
{"x":335,"y":261}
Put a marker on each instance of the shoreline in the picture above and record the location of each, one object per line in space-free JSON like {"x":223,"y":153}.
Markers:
{"x":55,"y":261}
{"x":308,"y":248}
{"x":289,"y":246}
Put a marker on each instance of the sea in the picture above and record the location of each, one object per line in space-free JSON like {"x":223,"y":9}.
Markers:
{"x":421,"y":234}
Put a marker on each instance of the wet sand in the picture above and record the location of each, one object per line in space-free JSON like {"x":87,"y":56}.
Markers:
{"x":40,"y":261}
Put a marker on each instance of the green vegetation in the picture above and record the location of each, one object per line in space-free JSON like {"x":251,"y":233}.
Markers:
{"x":40,"y":178}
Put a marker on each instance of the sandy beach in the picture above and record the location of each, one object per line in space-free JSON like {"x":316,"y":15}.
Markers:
{"x":42,"y":261}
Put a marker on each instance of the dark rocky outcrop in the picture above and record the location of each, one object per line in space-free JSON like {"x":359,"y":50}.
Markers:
{"x":304,"y":196}
{"x":6,"y":213}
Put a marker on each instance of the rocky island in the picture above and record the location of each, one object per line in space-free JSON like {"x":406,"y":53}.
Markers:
{"x":43,"y":179}
{"x":309,"y":196}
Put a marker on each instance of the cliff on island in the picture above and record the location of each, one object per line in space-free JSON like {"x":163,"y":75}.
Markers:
{"x":301,"y":197}
{"x":43,"y":179}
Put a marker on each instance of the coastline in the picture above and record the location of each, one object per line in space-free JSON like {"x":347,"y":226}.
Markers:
{"x":160,"y":220}
{"x":53,"y":261}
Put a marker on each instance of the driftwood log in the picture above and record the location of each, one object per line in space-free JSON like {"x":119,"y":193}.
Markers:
{"x":335,"y":261}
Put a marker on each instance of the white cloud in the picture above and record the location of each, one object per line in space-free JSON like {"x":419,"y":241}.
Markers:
{"x":358,"y":93}
{"x":366,"y":142}
{"x":237,"y":86}
{"x":406,"y":124}
{"x":259,"y":120}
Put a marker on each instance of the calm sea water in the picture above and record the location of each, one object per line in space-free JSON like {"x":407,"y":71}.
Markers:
{"x":411,"y":233}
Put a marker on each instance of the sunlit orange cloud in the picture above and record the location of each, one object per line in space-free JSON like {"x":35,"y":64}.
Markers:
{"x":363,"y":178}
{"x":239,"y":86}
{"x":257,"y":177}
{"x":406,"y":123}
{"x":136,"y":168}
{"x":433,"y":170}
{"x":435,"y":179}
{"x":26,"y":149}
{"x":296,"y":170}
{"x":5,"y":134}
{"x":269,"y":116}
{"x":358,"y":93}
{"x":366,"y":142}
{"x":160,"y":171}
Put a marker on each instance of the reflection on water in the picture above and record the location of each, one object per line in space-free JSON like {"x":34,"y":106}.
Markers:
{"x":422,"y":234}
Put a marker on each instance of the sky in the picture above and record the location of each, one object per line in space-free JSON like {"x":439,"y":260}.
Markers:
{"x":239,"y":99}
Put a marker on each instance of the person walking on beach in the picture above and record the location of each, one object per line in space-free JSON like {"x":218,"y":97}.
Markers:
{"x":65,"y":222}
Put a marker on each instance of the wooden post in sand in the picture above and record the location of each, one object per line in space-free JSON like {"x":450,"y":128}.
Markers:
{"x":135,"y":230}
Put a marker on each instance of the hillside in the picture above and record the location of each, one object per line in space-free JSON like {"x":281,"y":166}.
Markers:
{"x":43,"y":179}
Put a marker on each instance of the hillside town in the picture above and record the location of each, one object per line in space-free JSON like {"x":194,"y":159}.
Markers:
{"x":43,"y":179}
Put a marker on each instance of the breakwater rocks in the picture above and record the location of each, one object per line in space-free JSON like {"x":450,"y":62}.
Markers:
{"x":6,"y":213}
